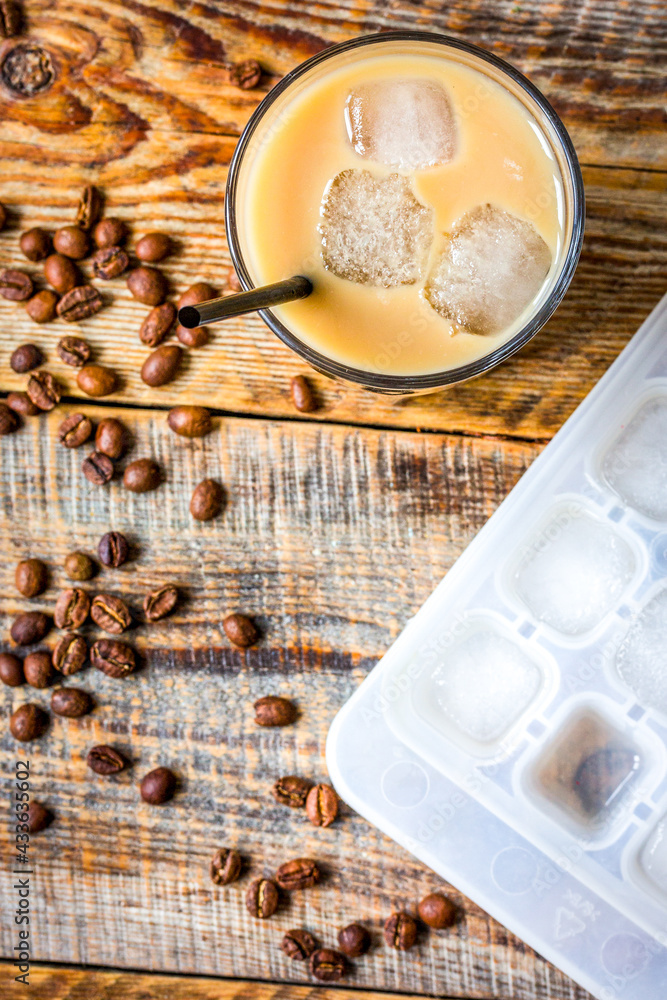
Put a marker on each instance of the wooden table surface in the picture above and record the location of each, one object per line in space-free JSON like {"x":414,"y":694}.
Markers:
{"x":338,"y":524}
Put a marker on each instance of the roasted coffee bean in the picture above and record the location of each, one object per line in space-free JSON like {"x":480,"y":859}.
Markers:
{"x":113,"y":549}
{"x":80,"y":303}
{"x":96,"y":380}
{"x":39,"y":817}
{"x":11,"y":670}
{"x":190,"y":421}
{"x":71,"y":702}
{"x":22,"y":404}
{"x":35,"y":244}
{"x":261,"y":898}
{"x":233,"y":282}
{"x":292,"y":791}
{"x":112,"y":438}
{"x":74,"y":351}
{"x":298,"y":944}
{"x":245,"y":75}
{"x":199,"y":292}
{"x":302,"y":394}
{"x":42,"y":307}
{"x":328,"y":965}
{"x":75,"y":430}
{"x":9,"y":420}
{"x":28,"y":722}
{"x":109,"y":233}
{"x":97,"y":468}
{"x":105,"y":760}
{"x":10,"y":24}
{"x":162,"y":365}
{"x":322,"y":805}
{"x":142,"y":476}
{"x":157,"y":324}
{"x":298,"y":874}
{"x":148,"y":285}
{"x":110,"y":262}
{"x":30,"y":627}
{"x":198,"y":337}
{"x":88,"y":211}
{"x":437,"y":911}
{"x":72,"y":608}
{"x":274,"y":711}
{"x":113,"y":658}
{"x":38,"y":669}
{"x":354,"y":940}
{"x":15,"y":285}
{"x":71,"y":241}
{"x":601,"y":774}
{"x":43,"y":390}
{"x":25,"y":358}
{"x":110,"y":613}
{"x":160,"y":603}
{"x":400,"y":931}
{"x":158,"y":786}
{"x":240,"y":630}
{"x":79,"y":566}
{"x":31,"y":577}
{"x":70,"y":654}
{"x":225,"y":866}
{"x":207,"y":500}
{"x":61,"y":273}
{"x":153,"y":247}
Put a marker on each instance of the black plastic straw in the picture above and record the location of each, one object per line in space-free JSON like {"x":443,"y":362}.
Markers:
{"x":244,"y":302}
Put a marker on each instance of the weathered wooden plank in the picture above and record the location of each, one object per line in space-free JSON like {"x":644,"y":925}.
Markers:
{"x":332,"y":538}
{"x":245,"y":369}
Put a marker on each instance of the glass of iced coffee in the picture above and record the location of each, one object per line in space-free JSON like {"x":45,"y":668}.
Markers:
{"x":429,"y":192}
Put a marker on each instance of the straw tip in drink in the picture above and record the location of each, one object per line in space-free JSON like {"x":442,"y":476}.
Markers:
{"x":188,"y":317}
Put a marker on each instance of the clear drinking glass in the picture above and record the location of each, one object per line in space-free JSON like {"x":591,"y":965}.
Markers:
{"x":267,"y":117}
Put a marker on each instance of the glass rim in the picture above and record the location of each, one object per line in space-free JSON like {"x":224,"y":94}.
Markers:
{"x":399,"y":384}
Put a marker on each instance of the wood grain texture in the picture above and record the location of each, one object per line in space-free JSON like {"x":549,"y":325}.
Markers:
{"x":332,"y":538}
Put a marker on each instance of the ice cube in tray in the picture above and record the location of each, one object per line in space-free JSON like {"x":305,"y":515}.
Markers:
{"x":641,"y":659}
{"x":653,"y":858}
{"x":635,"y":466}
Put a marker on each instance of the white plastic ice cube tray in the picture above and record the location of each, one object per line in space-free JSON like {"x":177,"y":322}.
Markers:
{"x":514,"y":737}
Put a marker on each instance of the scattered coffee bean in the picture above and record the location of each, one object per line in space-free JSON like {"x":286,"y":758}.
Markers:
{"x":437,"y":911}
{"x":158,"y":786}
{"x":71,"y":241}
{"x":75,"y":430}
{"x":96,"y":380}
{"x":79,"y":303}
{"x":113,"y":549}
{"x":39,"y":817}
{"x":198,"y":337}
{"x":298,"y":874}
{"x":38,"y":669}
{"x":400,"y":931}
{"x":105,"y":760}
{"x":207,"y":500}
{"x":245,"y":75}
{"x":328,"y":965}
{"x":162,"y":365}
{"x":292,"y":791}
{"x":74,"y":351}
{"x":15,"y":285}
{"x":240,"y":630}
{"x":10,"y":25}
{"x":42,"y":307}
{"x":31,"y":577}
{"x":28,"y":722}
{"x":88,"y":210}
{"x":233,"y":281}
{"x":322,"y":805}
{"x":110,"y":263}
{"x":70,"y":654}
{"x":97,"y":468}
{"x":25,"y":358}
{"x":157,"y":324}
{"x":71,"y":702}
{"x":153,"y":247}
{"x":11,"y":670}
{"x":354,"y":940}
{"x":113,"y":658}
{"x":190,"y":421}
{"x":142,"y":476}
{"x":21,"y":403}
{"x":43,"y":390}
{"x":9,"y":420}
{"x":30,"y":627}
{"x":225,"y":866}
{"x":274,"y":711}
{"x":148,"y":285}
{"x":160,"y":603}
{"x":35,"y":244}
{"x":199,"y":292}
{"x":261,"y":898}
{"x":112,"y":438}
{"x":298,"y":944}
{"x":72,"y":608}
{"x":61,"y":273}
{"x":302,"y":394}
{"x":109,"y":233}
{"x":79,"y":566}
{"x":110,"y":613}
{"x":3,"y":211}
